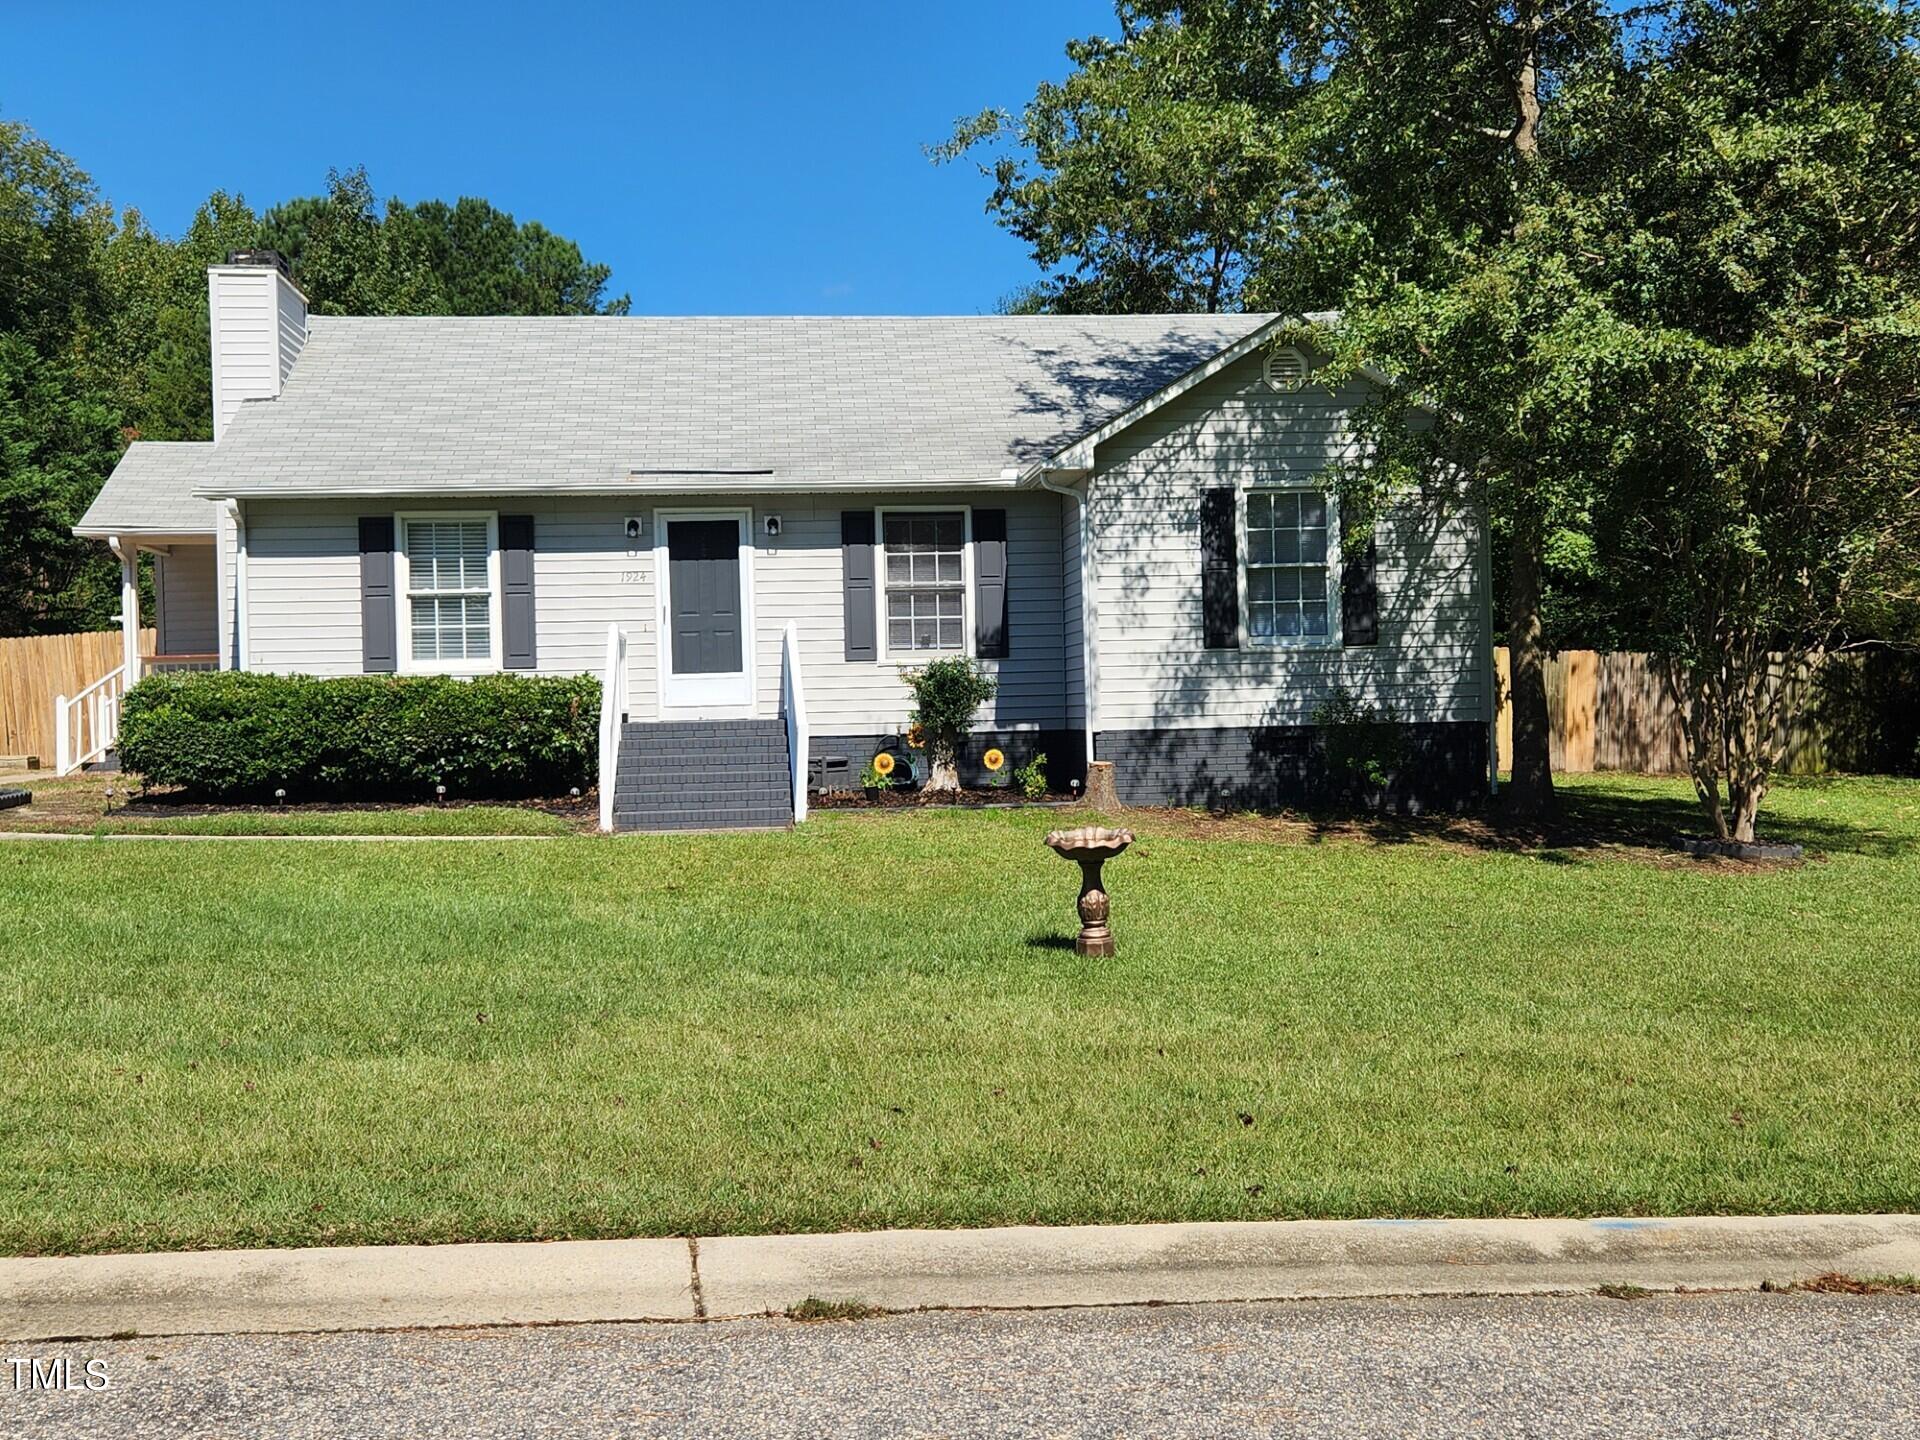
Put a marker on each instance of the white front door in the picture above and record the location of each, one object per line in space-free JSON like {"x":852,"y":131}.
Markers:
{"x":703,"y":559}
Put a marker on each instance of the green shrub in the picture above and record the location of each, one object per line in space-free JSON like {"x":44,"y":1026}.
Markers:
{"x":946,"y":693}
{"x":1363,"y":744}
{"x":234,"y":735}
{"x":1032,"y":777}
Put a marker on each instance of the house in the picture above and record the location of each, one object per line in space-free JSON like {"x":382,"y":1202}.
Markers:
{"x":1125,"y":518}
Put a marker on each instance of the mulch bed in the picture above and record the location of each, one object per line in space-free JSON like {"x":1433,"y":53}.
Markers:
{"x":157,"y":803}
{"x":902,"y":799}
{"x":82,"y":804}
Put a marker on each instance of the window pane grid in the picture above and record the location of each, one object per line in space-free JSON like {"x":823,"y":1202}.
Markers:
{"x":926,"y":572}
{"x":1287,"y":539}
{"x":449,"y":599}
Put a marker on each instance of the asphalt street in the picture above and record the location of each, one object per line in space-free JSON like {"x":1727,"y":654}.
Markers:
{"x":1741,"y":1365}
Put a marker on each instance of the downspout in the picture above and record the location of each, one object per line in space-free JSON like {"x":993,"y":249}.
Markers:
{"x":1087,"y":648}
{"x":235,"y":514}
{"x":1490,"y":670}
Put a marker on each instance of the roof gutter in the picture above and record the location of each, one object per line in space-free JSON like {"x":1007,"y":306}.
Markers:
{"x":1089,"y":647}
{"x":687,"y":486}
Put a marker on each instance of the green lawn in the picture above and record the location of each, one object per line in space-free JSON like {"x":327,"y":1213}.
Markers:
{"x":875,"y":1021}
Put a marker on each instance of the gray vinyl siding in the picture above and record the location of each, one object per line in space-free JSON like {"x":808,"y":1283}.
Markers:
{"x":303,"y":584}
{"x":290,"y":327}
{"x":186,"y":610}
{"x":303,"y":574}
{"x":800,"y":581}
{"x":1154,"y":670}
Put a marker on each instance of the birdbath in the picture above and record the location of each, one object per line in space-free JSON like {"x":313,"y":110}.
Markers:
{"x":1090,"y":847}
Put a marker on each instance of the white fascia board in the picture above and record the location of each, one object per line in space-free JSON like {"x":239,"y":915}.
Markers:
{"x":1079,"y":454}
{"x":678,"y":485}
{"x":140,"y":532}
{"x":1075,"y":461}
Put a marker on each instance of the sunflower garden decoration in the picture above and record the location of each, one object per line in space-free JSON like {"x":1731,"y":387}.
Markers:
{"x":878,"y":775}
{"x":996,"y":762}
{"x":946,"y":694}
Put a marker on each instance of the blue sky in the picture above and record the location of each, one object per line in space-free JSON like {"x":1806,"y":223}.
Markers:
{"x":732,"y":158}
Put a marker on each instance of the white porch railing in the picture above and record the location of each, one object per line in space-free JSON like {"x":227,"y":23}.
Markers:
{"x":165,"y":664}
{"x":613,"y":712}
{"x":793,"y":706}
{"x":85,"y":726}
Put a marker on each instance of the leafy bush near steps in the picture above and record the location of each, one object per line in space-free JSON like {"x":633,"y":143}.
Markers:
{"x":237,"y":736}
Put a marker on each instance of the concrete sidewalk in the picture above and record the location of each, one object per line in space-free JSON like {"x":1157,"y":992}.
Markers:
{"x":382,"y":1287}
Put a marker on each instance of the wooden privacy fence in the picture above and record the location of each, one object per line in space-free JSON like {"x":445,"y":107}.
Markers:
{"x":36,"y":668}
{"x":1611,"y":711}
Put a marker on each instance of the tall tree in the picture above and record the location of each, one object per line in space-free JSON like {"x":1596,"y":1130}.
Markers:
{"x":156,"y":335}
{"x":58,"y":440}
{"x":487,"y":264}
{"x":58,"y":432}
{"x":103,"y":333}
{"x":1391,"y":159}
{"x":1765,"y":245}
{"x":1444,"y":246}
{"x":355,"y":262}
{"x":467,"y":258}
{"x":51,"y":224}
{"x":1150,"y":179}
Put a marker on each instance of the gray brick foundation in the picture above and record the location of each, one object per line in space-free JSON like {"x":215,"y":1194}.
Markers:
{"x":1064,"y":749}
{"x":1278,"y":767}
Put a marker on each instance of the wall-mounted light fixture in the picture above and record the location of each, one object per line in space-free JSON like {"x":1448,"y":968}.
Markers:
{"x":636,"y":527}
{"x":772,"y":524}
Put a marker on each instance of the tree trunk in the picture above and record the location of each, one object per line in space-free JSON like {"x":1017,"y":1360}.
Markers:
{"x":942,"y":771}
{"x":1745,"y":809}
{"x":1530,"y":792}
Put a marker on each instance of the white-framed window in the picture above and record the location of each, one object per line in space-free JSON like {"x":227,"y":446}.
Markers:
{"x":926,"y":571}
{"x":449,"y":579}
{"x":1291,"y":551}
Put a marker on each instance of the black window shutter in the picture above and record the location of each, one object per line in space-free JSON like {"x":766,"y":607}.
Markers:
{"x":1359,"y":592}
{"x":1219,"y":570}
{"x":856,"y":581}
{"x":992,"y":637}
{"x":379,"y":630}
{"x":516,"y":592}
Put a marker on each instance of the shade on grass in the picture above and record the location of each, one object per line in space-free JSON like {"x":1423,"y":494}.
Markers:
{"x":876,"y":1020}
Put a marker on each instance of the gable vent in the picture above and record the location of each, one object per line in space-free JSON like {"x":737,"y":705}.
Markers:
{"x":1286,"y":369}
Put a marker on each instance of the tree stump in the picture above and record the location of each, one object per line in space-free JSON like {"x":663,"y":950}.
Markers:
{"x":1101,"y":791}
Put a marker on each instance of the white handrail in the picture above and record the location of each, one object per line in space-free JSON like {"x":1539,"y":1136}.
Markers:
{"x":793,"y":705}
{"x":86,"y":725}
{"x":171,"y":664}
{"x":613,"y":709}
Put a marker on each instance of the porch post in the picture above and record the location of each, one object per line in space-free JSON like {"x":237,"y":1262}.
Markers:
{"x":129,"y":606}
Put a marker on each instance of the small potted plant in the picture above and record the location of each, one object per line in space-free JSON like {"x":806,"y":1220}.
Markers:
{"x":877,"y":776}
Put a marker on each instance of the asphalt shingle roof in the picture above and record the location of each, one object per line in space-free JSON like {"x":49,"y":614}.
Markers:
{"x":151,"y":491}
{"x":512,"y":405}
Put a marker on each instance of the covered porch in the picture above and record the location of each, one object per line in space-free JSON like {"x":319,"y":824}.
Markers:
{"x":186,"y":631}
{"x":148,"y":506}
